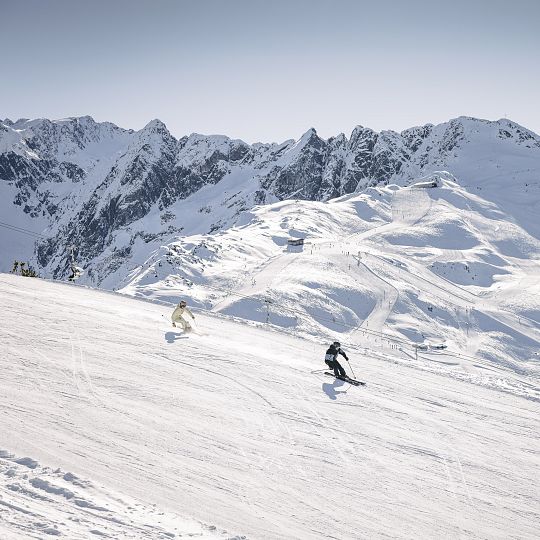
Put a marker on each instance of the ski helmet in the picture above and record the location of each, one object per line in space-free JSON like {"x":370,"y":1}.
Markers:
{"x":183,"y":303}
{"x":337,"y":343}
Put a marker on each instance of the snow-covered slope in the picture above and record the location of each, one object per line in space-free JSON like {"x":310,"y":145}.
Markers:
{"x":116,"y":425}
{"x":445,"y":265}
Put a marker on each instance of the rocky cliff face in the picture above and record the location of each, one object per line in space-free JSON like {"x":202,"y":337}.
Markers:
{"x":103,"y":188}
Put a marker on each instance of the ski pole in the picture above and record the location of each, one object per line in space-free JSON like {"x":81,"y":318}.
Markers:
{"x":351,"y":368}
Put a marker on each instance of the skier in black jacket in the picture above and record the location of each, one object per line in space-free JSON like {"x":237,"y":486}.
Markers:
{"x":331,"y":359}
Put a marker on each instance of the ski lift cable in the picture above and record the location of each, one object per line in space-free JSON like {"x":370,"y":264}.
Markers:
{"x":22,"y":230}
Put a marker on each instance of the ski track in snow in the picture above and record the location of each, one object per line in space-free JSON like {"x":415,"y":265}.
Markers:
{"x":144,"y":425}
{"x":40,"y":502}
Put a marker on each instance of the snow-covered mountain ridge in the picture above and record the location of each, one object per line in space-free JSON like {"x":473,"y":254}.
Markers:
{"x":89,"y":184}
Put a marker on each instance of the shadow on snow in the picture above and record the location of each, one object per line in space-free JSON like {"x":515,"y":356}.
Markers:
{"x":330,"y":389}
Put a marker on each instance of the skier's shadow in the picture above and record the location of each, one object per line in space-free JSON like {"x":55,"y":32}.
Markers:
{"x":330,"y":389}
{"x":171,"y":337}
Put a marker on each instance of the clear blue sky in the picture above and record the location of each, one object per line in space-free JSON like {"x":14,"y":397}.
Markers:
{"x":269,"y":70}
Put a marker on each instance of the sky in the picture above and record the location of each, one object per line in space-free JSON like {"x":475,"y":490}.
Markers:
{"x":269,"y":70}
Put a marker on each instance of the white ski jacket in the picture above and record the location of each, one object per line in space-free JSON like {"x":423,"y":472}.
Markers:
{"x":178,"y":314}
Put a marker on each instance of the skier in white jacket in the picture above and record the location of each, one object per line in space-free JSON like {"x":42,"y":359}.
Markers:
{"x":179,"y":316}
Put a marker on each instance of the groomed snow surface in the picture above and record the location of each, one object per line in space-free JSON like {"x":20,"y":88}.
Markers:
{"x":452,"y":269}
{"x":116,"y":425}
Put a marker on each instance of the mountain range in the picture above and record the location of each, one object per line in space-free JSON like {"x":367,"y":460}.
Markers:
{"x":428,"y":237}
{"x":102,"y":188}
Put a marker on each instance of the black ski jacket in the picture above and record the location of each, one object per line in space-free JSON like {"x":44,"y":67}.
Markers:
{"x":334,"y":351}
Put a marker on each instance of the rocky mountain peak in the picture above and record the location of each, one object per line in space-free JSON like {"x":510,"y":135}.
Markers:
{"x":310,"y":138}
{"x":155,"y":126}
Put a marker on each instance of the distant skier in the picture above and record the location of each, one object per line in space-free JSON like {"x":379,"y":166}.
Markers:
{"x":76,"y":272}
{"x":331,"y":359}
{"x":179,"y":316}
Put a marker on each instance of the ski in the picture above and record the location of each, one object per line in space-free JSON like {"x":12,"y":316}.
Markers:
{"x":354,"y":382}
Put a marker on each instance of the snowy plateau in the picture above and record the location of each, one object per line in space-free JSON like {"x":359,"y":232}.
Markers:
{"x":420,"y":254}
